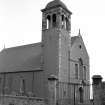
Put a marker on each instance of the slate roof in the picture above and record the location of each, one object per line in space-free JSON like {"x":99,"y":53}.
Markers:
{"x":22,"y":58}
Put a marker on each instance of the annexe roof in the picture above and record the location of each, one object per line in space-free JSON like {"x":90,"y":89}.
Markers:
{"x":21,"y":58}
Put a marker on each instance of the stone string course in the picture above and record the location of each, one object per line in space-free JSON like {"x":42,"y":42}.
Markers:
{"x":21,"y":100}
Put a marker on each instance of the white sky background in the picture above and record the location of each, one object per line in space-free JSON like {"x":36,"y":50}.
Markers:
{"x":20,"y":23}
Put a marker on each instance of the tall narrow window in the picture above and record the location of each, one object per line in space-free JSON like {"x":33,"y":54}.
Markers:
{"x":62,"y":21}
{"x":80,"y":61}
{"x":54,"y":20}
{"x":22,"y":86}
{"x":6,"y":85}
{"x":76,"y":71}
{"x":81,"y":94}
{"x":0,"y":80}
{"x":66,"y":23}
{"x":0,"y":85}
{"x":84,"y":72}
{"x":81,"y":68}
{"x":48,"y":21}
{"x":69,"y":55}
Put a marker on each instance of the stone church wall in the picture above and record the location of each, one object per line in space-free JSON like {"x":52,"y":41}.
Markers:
{"x":77,"y":53}
{"x":11,"y":83}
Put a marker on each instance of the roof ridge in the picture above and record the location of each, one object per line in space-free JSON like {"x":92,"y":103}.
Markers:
{"x":22,"y":46}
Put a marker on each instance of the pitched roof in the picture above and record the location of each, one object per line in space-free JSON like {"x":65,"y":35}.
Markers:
{"x":21,"y":58}
{"x":79,"y":40}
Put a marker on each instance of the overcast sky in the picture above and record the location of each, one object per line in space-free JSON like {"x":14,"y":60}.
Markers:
{"x":20,"y":23}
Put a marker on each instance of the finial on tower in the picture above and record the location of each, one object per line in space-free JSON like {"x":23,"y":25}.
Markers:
{"x":79,"y":34}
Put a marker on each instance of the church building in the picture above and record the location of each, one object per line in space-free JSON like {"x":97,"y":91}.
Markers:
{"x":55,"y":69}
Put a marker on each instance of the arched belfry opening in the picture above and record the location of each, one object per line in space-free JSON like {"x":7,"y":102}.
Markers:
{"x":48,"y":20}
{"x":54,"y":20}
{"x":62,"y":22}
{"x":68,"y":25}
{"x":65,"y":22}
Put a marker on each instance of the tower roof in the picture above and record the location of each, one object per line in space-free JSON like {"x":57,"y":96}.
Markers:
{"x":56,"y":3}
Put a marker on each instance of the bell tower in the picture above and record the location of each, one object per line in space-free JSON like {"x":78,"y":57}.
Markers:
{"x":56,"y":15}
{"x":56,"y":28}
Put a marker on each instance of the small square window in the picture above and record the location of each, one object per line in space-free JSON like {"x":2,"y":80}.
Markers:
{"x":80,"y":46}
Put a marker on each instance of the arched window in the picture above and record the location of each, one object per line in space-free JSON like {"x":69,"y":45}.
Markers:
{"x":81,"y":68}
{"x":76,"y":71}
{"x":22,"y":86}
{"x":54,"y":20}
{"x":62,"y":21}
{"x":80,"y":61}
{"x":84,"y":72}
{"x":81,"y":94}
{"x":48,"y":21}
{"x":67,"y":25}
